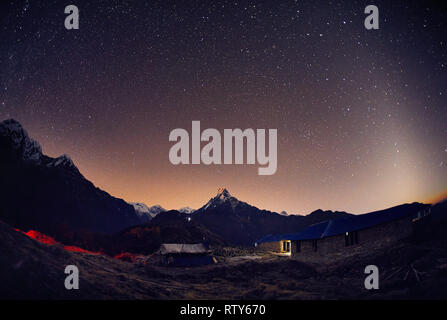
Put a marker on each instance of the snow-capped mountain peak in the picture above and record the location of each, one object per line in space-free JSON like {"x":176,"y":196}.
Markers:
{"x":28,"y":149}
{"x":187,"y":210}
{"x":146,"y":213}
{"x":223,"y":193}
{"x":62,"y":161}
{"x":223,"y":196}
{"x":16,"y":139}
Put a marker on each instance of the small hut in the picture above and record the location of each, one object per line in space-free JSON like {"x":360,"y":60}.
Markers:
{"x":185,"y":255}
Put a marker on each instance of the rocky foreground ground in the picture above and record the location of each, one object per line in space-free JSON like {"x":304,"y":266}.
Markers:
{"x":32,"y":270}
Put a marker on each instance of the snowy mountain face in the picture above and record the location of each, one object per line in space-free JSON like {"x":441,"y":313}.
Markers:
{"x":57,"y":195}
{"x":187,"y":210}
{"x":29,"y":150}
{"x":146,"y":213}
{"x":222,"y":197}
{"x":64,"y":161}
{"x":12,"y":132}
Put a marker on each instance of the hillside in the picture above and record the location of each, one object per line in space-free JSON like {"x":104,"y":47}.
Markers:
{"x":413,"y":269}
{"x":50,"y":194}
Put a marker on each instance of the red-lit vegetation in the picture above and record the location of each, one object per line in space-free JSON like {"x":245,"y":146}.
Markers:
{"x":129,"y":243}
{"x":77,"y":249}
{"x":126,"y":256}
{"x":42,"y":238}
{"x":36,"y":235}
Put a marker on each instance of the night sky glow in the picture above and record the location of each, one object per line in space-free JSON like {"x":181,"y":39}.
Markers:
{"x":361,"y":114}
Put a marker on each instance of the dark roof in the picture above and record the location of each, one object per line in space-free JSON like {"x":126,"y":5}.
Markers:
{"x":352,"y":223}
{"x":275,"y":237}
{"x":179,"y":248}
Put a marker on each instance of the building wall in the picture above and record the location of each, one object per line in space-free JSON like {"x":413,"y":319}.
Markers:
{"x":369,"y":240}
{"x":333,"y":248}
{"x":270,"y":246}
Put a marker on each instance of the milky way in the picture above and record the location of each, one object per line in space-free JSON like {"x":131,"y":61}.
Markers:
{"x":361,"y":114}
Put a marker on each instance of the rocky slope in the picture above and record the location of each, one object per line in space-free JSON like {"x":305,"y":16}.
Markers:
{"x":50,"y":194}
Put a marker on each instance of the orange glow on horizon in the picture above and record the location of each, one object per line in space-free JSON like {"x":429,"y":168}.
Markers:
{"x":437,"y":197}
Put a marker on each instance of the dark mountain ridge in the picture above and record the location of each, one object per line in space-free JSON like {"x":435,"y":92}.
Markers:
{"x":50,"y":194}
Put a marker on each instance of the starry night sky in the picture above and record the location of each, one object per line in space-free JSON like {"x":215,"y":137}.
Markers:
{"x":361,"y":115}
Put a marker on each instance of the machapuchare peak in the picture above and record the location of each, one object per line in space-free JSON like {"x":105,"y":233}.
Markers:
{"x":222,"y":193}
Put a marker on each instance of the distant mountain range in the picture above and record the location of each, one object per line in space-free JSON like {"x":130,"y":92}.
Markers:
{"x":51,"y":195}
{"x":146,"y":213}
{"x":241,"y":223}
